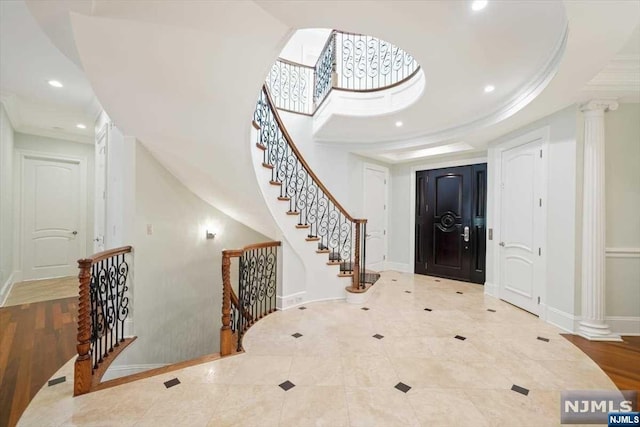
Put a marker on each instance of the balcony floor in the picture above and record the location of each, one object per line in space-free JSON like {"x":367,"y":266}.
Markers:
{"x":344,"y":376}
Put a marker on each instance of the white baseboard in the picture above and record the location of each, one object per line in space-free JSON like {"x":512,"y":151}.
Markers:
{"x":6,"y":289}
{"x":398,"y":266}
{"x":563,"y":320}
{"x":491,"y":289}
{"x":124,"y":370}
{"x":624,"y":325}
{"x":298,"y":304}
{"x":291,"y":300}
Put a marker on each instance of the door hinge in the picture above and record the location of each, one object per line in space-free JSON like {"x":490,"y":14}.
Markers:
{"x":384,"y":257}
{"x":425,"y":266}
{"x":502,"y":185}
{"x":540,"y":153}
{"x":384,"y":232}
{"x":538,"y":300}
{"x":426,"y":208}
{"x":385,"y":207}
{"x":385,"y":182}
{"x":540,"y":203}
{"x":539,"y":251}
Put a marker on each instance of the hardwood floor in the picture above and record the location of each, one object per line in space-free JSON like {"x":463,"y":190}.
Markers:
{"x":36,"y":339}
{"x":42,"y":290}
{"x":619,"y":360}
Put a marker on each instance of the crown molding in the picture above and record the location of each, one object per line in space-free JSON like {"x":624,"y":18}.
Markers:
{"x":620,"y":75}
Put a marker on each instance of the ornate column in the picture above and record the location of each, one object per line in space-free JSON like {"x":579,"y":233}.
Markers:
{"x":593,"y":325}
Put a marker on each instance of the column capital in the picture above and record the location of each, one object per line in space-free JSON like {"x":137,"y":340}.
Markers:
{"x":599,"y":105}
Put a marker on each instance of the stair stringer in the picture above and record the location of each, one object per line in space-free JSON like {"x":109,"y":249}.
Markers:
{"x":321,"y":281}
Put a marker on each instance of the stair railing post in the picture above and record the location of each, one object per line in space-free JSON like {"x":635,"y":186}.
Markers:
{"x":355,"y":282}
{"x":82,"y":368}
{"x":226,"y":339}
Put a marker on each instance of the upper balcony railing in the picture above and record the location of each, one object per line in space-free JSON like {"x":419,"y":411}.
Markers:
{"x":348,"y":61}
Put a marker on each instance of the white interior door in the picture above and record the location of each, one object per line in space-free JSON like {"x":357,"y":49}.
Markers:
{"x":375,"y":211}
{"x":53,"y":224}
{"x":520,"y":218}
{"x":100,"y":222}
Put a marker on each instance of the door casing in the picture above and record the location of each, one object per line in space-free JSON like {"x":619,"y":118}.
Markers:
{"x":385,"y":211}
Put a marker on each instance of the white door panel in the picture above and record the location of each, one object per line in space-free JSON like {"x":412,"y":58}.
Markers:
{"x":375,"y":211}
{"x":53,"y":230}
{"x":519,"y":257}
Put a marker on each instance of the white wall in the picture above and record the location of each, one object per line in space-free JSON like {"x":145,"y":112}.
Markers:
{"x":41,"y":144}
{"x":339,"y":170}
{"x":177,"y":282}
{"x":623,"y":218}
{"x":562,"y":207}
{"x":6,"y":203}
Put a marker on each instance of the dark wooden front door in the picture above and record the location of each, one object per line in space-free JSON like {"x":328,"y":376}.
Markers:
{"x":450,"y":222}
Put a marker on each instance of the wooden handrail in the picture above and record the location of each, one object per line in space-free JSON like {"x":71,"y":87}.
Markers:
{"x":294,"y":63}
{"x":304,"y":163}
{"x":107,"y":254}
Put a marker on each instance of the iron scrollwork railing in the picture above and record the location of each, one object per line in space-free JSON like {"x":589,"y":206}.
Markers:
{"x":103,"y":310}
{"x":256,"y":298}
{"x":366,"y":63}
{"x":292,"y":85}
{"x":348,"y":61}
{"x":325,"y":220}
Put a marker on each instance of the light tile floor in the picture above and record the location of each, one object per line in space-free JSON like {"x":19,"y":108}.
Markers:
{"x":344,"y":376}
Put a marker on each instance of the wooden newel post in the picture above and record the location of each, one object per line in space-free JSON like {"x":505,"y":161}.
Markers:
{"x":82,"y":379}
{"x":356,"y":260}
{"x":226,"y":338}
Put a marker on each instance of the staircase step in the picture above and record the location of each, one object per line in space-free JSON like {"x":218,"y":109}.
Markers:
{"x":344,"y":274}
{"x":302,"y":226}
{"x":284,"y":199}
{"x":333,"y":263}
{"x":293,"y":213}
{"x":275,"y":183}
{"x":260,"y":146}
{"x":267,"y":165}
{"x":322,"y":251}
{"x":312,"y":239}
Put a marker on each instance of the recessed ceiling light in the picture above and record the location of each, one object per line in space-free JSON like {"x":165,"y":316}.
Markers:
{"x":54,"y":83}
{"x":81,"y":126}
{"x":477,"y":5}
{"x":399,"y":124}
{"x":489,"y":88}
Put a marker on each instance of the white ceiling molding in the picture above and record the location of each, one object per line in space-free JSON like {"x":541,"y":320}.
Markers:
{"x":620,"y":79}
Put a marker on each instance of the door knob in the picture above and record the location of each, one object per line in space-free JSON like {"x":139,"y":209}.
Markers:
{"x":466,"y":234}
{"x":74,"y":232}
{"x":501,"y":244}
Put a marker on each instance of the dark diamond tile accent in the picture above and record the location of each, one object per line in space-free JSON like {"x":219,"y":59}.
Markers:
{"x":458,"y":292}
{"x":365,"y":308}
{"x":171,"y":383}
{"x":302,"y":308}
{"x":427,"y":309}
{"x":520,"y":390}
{"x":297,"y":335}
{"x":437,"y":280}
{"x":460,"y":337}
{"x":378,"y":336}
{"x":56,"y":381}
{"x":543,"y":339}
{"x":394,"y":280}
{"x":407,"y":292}
{"x":287,"y":385}
{"x":491,"y":310}
{"x":403,"y":387}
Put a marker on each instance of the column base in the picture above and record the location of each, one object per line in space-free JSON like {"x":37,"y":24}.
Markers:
{"x":597,"y":332}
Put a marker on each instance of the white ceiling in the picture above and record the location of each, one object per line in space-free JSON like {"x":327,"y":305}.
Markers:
{"x":28,"y":60}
